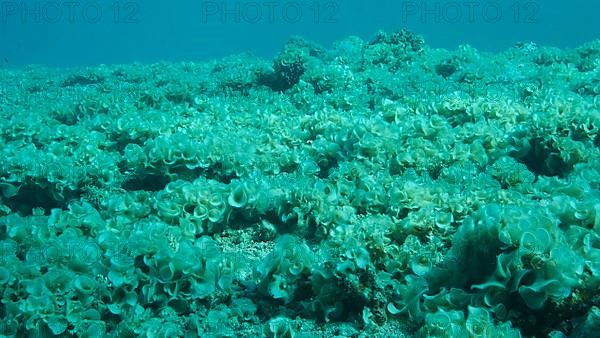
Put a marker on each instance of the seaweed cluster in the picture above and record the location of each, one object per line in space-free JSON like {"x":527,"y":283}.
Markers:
{"x":375,"y":185}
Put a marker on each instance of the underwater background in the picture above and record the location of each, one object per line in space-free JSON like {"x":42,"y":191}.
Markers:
{"x":61,"y":33}
{"x":299,"y":169}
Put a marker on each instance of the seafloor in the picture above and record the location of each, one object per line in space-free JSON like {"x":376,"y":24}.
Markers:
{"x":375,"y":189}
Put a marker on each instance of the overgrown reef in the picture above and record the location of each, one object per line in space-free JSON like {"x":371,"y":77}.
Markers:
{"x":376,"y":183}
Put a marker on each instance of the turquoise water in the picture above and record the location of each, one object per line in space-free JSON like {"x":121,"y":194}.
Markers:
{"x":90,"y":33}
{"x":162,"y":176}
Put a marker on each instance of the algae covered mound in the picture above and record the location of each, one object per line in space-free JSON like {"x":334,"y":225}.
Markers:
{"x":374,"y":188}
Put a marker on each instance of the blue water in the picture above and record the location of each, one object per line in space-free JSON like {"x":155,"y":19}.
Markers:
{"x":63,"y":33}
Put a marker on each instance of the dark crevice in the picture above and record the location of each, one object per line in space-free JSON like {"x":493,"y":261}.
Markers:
{"x":543,"y":159}
{"x":80,"y":80}
{"x":147,"y":183}
{"x":31,"y":196}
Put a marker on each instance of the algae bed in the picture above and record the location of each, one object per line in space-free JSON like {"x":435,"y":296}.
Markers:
{"x":378,"y":188}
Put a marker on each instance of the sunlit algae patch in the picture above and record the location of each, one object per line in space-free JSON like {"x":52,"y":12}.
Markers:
{"x":380,"y":188}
